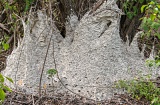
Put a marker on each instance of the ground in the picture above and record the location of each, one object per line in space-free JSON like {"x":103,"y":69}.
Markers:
{"x":17,"y":98}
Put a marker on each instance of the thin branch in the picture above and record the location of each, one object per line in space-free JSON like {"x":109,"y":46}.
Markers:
{"x":40,"y":83}
{"x":97,"y":5}
{"x":43,"y":66}
{"x":3,"y":27}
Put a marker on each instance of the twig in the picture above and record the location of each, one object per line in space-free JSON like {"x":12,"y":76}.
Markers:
{"x":10,"y":39}
{"x":45,"y":55}
{"x":33,"y":100}
{"x":96,"y":6}
{"x":22,"y":102}
{"x":126,"y":100}
{"x":3,"y":27}
{"x":38,"y":101}
{"x":43,"y":66}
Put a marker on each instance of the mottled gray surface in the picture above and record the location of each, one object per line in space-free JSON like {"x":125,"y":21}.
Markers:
{"x":89,"y":59}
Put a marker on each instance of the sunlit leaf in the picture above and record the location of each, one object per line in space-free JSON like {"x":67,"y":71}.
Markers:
{"x":152,"y":16}
{"x":144,"y":20}
{"x":5,"y":46}
{"x":158,"y":63}
{"x":154,"y":101}
{"x":142,"y":8}
{"x":152,"y":3}
{"x":1,"y":78}
{"x":2,"y":95}
{"x":158,"y":6}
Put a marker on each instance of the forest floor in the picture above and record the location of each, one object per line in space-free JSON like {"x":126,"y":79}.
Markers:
{"x":16,"y":98}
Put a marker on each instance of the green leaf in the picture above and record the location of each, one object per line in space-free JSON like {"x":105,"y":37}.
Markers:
{"x":152,"y":16}
{"x":28,"y":4}
{"x":154,"y":100}
{"x":148,"y":34}
{"x":142,"y":8}
{"x":14,"y":16}
{"x":1,"y":78}
{"x":158,"y":6}
{"x":158,"y":35}
{"x":6,"y":6}
{"x":145,"y":27}
{"x":135,"y":10}
{"x":149,"y":21}
{"x":7,"y":88}
{"x":141,"y":1}
{"x":150,"y":63}
{"x":130,"y":15}
{"x":155,"y":25}
{"x":125,"y":5}
{"x":155,"y":10}
{"x":158,"y":64}
{"x":51,"y":72}
{"x":5,"y":46}
{"x":9,"y":79}
{"x":144,"y":20}
{"x":2,"y":95}
{"x":152,"y":3}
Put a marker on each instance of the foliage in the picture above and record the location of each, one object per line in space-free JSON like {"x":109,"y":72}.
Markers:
{"x":151,"y":25}
{"x":127,"y":8}
{"x":3,"y":87}
{"x":154,"y":63}
{"x":130,"y":8}
{"x":145,"y":88}
{"x":151,"y":21}
{"x":3,"y":44}
{"x":10,"y":10}
{"x":28,"y":4}
{"x":141,"y":88}
{"x":7,"y":5}
{"x":51,"y":72}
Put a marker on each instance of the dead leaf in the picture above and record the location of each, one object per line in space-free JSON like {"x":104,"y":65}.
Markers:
{"x":44,"y":86}
{"x":20,"y":82}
